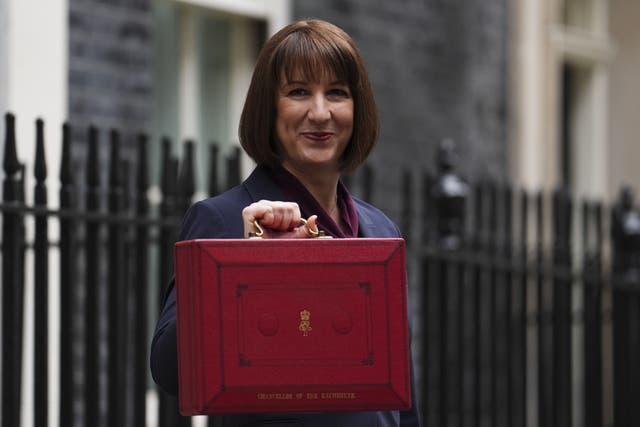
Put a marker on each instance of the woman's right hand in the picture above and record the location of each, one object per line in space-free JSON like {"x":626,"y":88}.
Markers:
{"x":278,"y":220}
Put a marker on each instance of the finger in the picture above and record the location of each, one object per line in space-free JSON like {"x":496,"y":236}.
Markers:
{"x":308,"y":230}
{"x":274,"y":215}
{"x":286,"y":216}
{"x":290,"y":218}
{"x":312,"y":223}
{"x":253,"y":212}
{"x":256,"y":210}
{"x":275,"y":221}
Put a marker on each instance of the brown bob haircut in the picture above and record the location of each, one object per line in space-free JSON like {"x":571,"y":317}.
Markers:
{"x":313,"y":47}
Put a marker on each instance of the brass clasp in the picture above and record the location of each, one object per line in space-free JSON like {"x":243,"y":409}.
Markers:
{"x":303,"y":222}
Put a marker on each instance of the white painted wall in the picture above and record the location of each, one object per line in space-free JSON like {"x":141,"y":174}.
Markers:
{"x":33,"y":83}
{"x":37,"y":73}
{"x":542,"y":42}
{"x":4,"y":37}
{"x":533,"y":156}
{"x":276,"y":13}
{"x":624,"y":97}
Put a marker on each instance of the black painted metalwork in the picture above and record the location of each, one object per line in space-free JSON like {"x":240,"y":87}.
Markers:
{"x":592,"y":235}
{"x":116,"y":290}
{"x":140,"y":286}
{"x":92,"y":279}
{"x":68,"y":276}
{"x":13,"y":241}
{"x":625,"y":232}
{"x":41,"y":286}
{"x":495,"y":268}
{"x":170,"y":206}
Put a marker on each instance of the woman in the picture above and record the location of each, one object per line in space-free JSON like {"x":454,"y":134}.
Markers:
{"x":309,"y":116}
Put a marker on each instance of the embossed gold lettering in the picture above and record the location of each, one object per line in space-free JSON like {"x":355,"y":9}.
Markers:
{"x":346,"y":396}
{"x":274,"y":396}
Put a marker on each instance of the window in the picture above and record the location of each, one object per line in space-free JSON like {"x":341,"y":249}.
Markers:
{"x":583,"y":53}
{"x":205,"y":51}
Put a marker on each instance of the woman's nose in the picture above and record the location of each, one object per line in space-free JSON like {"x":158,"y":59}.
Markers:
{"x":319,"y":110}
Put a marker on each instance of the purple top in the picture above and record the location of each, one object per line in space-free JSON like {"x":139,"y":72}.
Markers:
{"x":295,"y":191}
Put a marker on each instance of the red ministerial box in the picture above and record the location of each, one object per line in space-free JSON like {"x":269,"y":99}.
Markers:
{"x":292,"y":325}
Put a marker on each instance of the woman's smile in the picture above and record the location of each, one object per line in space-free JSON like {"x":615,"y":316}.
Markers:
{"x":318,"y":136}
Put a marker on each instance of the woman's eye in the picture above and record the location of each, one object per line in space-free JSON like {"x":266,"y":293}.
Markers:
{"x":297,"y":92}
{"x":339,"y":93}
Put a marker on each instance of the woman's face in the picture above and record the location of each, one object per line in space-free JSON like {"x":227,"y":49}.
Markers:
{"x":314,"y":121}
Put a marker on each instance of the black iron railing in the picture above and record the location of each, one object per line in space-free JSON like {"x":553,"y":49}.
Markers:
{"x":115,"y":258}
{"x":527,"y":305}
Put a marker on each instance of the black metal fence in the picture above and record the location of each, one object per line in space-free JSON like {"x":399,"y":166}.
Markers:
{"x":530,"y":305}
{"x":115,"y":258}
{"x":527,"y":305}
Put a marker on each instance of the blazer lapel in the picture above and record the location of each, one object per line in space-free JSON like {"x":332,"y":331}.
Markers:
{"x":260,"y":186}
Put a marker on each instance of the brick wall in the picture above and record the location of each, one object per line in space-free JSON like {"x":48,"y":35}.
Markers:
{"x":110,"y":66}
{"x":438,"y":71}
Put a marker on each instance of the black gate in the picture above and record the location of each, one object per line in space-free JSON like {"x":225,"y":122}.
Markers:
{"x":526,"y":306}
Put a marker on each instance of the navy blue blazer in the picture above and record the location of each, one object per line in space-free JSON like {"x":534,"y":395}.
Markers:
{"x":220,"y":217}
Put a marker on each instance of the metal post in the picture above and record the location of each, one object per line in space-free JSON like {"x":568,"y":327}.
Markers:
{"x":92,"y":280}
{"x":592,"y":288}
{"x":117,"y":296}
{"x":562,"y":290}
{"x":41,"y":291}
{"x":141,"y":291}
{"x":13,"y":237}
{"x":545,"y":373}
{"x":625,"y":230}
{"x":67,"y":278}
{"x":449,"y":196}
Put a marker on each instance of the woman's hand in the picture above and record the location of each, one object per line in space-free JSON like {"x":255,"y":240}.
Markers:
{"x":279,"y":220}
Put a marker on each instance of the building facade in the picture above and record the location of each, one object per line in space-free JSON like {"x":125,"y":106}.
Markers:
{"x":180,"y":69}
{"x":572,"y":64}
{"x":540,"y":93}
